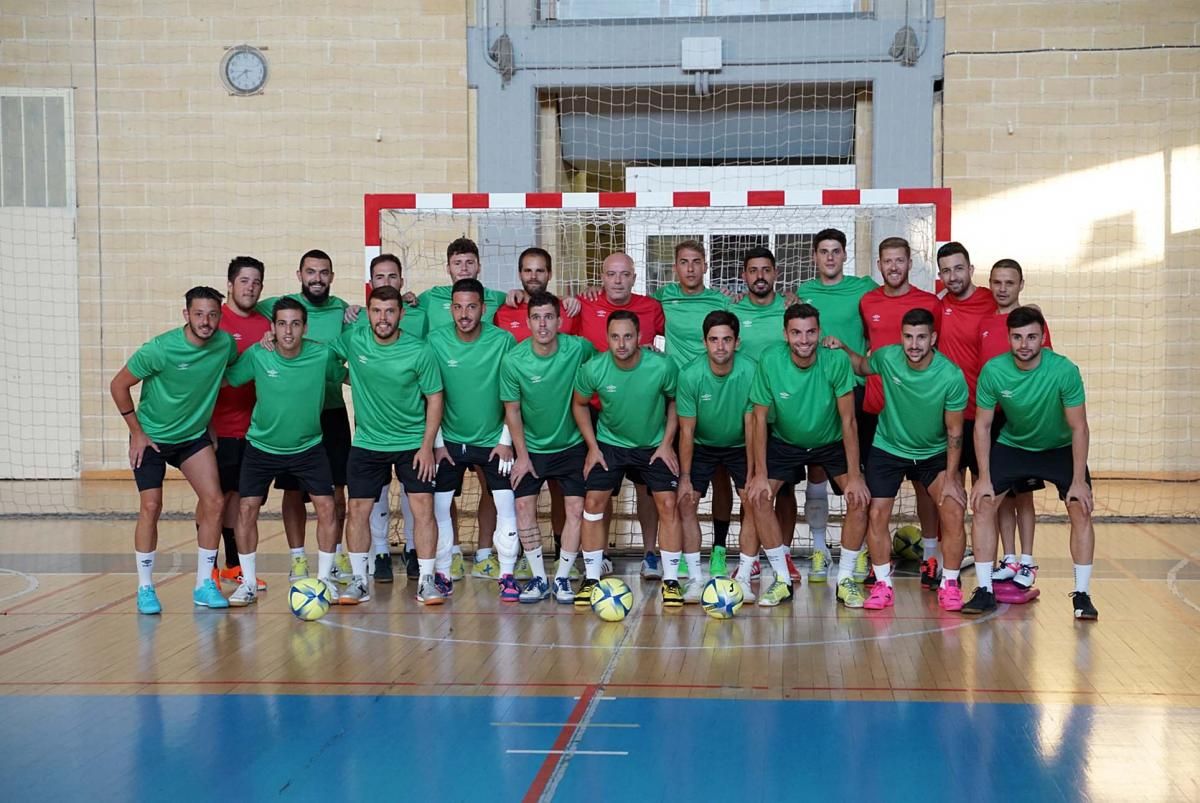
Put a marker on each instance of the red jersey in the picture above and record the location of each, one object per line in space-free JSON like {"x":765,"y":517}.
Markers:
{"x":593,"y":319}
{"x":231,"y":416}
{"x":515,"y":320}
{"x":958,"y":336}
{"x":881,"y":316}
{"x":993,"y":336}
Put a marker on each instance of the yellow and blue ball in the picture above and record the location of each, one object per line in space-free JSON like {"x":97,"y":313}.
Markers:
{"x":721,"y":597}
{"x":309,"y":599}
{"x":611,"y":599}
{"x":906,"y":542}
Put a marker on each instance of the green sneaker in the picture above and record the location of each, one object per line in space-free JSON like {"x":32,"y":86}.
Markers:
{"x":818,"y":570}
{"x":488,"y":568}
{"x":716,"y":563}
{"x":458,"y":569}
{"x":683,"y":570}
{"x":850,"y":593}
{"x":777,"y":593}
{"x":522,"y":571}
{"x":862,"y":565}
{"x":574,"y":573}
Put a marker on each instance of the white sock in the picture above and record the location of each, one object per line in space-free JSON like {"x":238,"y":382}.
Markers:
{"x":249,"y":572}
{"x":406,"y":512}
{"x":445,"y":531}
{"x":929,"y":548}
{"x":1026,"y":560}
{"x":482,"y":554}
{"x":297,"y":552}
{"x":745,"y":566}
{"x":816,"y":512}
{"x":380,"y":518}
{"x":778,"y":559}
{"x":324,"y":564}
{"x":983,"y":575}
{"x":591,"y":563}
{"x":948,"y":575}
{"x":883,"y":574}
{"x":537,"y":562}
{"x":670,"y":564}
{"x":692,"y":559}
{"x":565,"y":559}
{"x":205,"y":560}
{"x":145,"y":568}
{"x":846,"y":563}
{"x":426,"y":566}
{"x":1083,"y":577}
{"x":359,"y":562}
{"x":1009,"y":559}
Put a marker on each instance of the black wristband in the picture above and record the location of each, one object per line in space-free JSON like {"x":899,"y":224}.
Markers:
{"x":128,"y":412}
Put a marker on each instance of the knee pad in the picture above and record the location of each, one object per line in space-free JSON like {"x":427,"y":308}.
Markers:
{"x":593,"y":516}
{"x":507,"y":543}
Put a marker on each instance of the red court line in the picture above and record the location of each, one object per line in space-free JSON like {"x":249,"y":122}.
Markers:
{"x":560,"y":742}
{"x":49,"y":594}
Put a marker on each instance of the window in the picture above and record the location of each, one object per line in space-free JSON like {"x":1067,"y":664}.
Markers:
{"x":34,"y":150}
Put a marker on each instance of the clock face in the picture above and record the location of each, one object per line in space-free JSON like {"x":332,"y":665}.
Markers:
{"x":244,"y":70}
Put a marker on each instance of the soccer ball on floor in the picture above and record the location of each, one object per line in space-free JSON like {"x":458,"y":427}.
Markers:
{"x":309,"y":599}
{"x":721,"y":597}
{"x":906,"y":542}
{"x":611,"y":599}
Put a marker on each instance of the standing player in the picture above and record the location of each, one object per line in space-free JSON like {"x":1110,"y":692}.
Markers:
{"x":536,"y":386}
{"x":397,"y":393}
{"x":285,"y":440}
{"x":181,"y":373}
{"x":469,"y":357}
{"x":633,"y":436}
{"x":919,"y":438}
{"x":1045,"y":437}
{"x":713,"y":402}
{"x":231,"y":416}
{"x":810,"y":392}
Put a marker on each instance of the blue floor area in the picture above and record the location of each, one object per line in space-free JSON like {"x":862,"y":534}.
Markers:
{"x":333,"y":748}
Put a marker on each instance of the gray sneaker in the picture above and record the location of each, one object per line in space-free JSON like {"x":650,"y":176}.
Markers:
{"x":563,"y":593}
{"x":693,"y":590}
{"x":244,"y":595}
{"x":340,"y":576}
{"x":355,"y":592}
{"x":535,"y":590}
{"x":428,"y":592}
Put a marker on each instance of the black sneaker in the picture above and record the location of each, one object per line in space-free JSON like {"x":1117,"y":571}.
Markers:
{"x":982,"y":601}
{"x":412,"y":569}
{"x":1084,"y":609}
{"x":383,"y":569}
{"x":583,"y":596}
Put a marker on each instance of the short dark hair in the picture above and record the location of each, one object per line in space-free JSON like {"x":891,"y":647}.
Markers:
{"x":534,"y":251}
{"x":237,"y":263}
{"x":314,"y":253}
{"x":1024,"y":316}
{"x":829,"y":234}
{"x":757,"y":252}
{"x":918,"y":316}
{"x":800,"y":311}
{"x":463,"y":245}
{"x":387,"y":258}
{"x":894,"y":242}
{"x":1010,"y":264}
{"x":287,"y":302}
{"x":624,"y":315}
{"x":720,"y":317}
{"x":468,"y":286}
{"x":542,"y":298}
{"x":385,"y":293}
{"x":201,"y":293}
{"x":691,"y":245}
{"x":954,"y":247}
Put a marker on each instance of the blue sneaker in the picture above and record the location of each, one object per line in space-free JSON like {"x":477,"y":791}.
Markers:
{"x":563,"y":594}
{"x":209,"y":596}
{"x":444,"y":584}
{"x":535,"y":590}
{"x":650,"y":567}
{"x":147,"y":600}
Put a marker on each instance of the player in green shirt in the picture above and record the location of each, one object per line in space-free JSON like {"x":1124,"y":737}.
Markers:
{"x":633,"y":436}
{"x":713,"y":403}
{"x":536,"y":386}
{"x":1045,"y":437}
{"x":284,"y":438}
{"x":919,"y":438}
{"x":462,"y":262}
{"x":180,"y":371}
{"x":803,"y":399}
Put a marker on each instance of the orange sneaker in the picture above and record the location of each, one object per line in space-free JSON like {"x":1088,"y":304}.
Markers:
{"x":234,"y":575}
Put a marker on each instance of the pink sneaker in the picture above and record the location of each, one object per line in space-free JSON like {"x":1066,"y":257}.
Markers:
{"x":792,"y":570}
{"x":950,"y":596}
{"x":509,"y":592}
{"x":881,"y":597}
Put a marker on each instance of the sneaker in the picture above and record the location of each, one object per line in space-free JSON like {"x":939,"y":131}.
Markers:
{"x":243,"y":596}
{"x":343,"y":573}
{"x":216,"y":576}
{"x":881,"y":596}
{"x":1084,"y":609}
{"x":522,"y":570}
{"x":748,"y":594}
{"x":862,"y":566}
{"x":299,"y":569}
{"x":1025,"y":576}
{"x":818,"y":570}
{"x":1005,"y":571}
{"x":233,"y":574}
{"x":486,"y":569}
{"x":651,"y":570}
{"x":444,"y":584}
{"x":982,"y":601}
{"x":605,"y":568}
{"x":458,"y":567}
{"x":428,"y":592}
{"x":509,"y":590}
{"x":950,"y":596}
{"x":756,"y":569}
{"x":716,"y":562}
{"x":793,"y":572}
{"x":968,"y":559}
{"x":412,"y":569}
{"x":535,"y":590}
{"x":692,"y":591}
{"x":778,"y":592}
{"x":147,"y":601}
{"x":672,"y":594}
{"x":563,"y":593}
{"x":355,"y":592}
{"x":383,"y":569}
{"x":331,"y":589}
{"x":929,"y":574}
{"x":869,"y":580}
{"x":209,"y":596}
{"x":574,"y":574}
{"x":583,"y":597}
{"x":850,"y":593}
{"x":683,"y":569}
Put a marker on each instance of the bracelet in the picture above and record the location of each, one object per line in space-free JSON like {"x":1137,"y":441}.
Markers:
{"x":128,"y":412}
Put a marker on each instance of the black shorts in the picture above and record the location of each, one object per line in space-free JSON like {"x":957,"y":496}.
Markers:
{"x":707,"y":460}
{"x":786,"y":462}
{"x":149,"y":475}
{"x":968,"y":461}
{"x":308,"y":469}
{"x":229,"y":462}
{"x":632,"y":463}
{"x":864,"y":422}
{"x":886,"y":472}
{"x":335,"y":439}
{"x":1020,"y":470}
{"x":450,"y":477}
{"x":368,"y":471}
{"x":565,"y":466}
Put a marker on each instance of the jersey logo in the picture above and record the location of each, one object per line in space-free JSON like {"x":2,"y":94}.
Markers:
{"x":601,"y":313}
{"x":875,"y":318}
{"x":985,"y":333}
{"x":183,"y":366}
{"x":1008,"y":394}
{"x":705,"y":397}
{"x":271,"y":372}
{"x":783,"y":394}
{"x":362,"y":358}
{"x":947,"y":310}
{"x":237,"y":336}
{"x":746,"y":323}
{"x":610,"y":388}
{"x":535,"y":378}
{"x":896,"y":380}
{"x":451,"y":363}
{"x":514,"y":324}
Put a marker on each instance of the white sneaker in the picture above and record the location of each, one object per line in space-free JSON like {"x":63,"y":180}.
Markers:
{"x":428,"y":592}
{"x":747,"y":594}
{"x":333,"y":592}
{"x":1005,"y":571}
{"x":355,"y":592}
{"x":562,"y":591}
{"x":244,"y":595}
{"x":693,"y":590}
{"x":1024,"y":578}
{"x":606,"y":568}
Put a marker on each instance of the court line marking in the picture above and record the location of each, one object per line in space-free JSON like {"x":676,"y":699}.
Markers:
{"x":31,"y":584}
{"x":564,"y":752}
{"x":49,"y":594}
{"x":546,"y":770}
{"x":1173,"y":581}
{"x":563,"y":724}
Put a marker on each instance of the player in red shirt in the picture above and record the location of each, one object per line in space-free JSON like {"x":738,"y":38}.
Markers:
{"x":534,"y":271}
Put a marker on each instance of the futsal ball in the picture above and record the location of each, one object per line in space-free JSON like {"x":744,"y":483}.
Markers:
{"x":611,"y":599}
{"x":906,"y":542}
{"x":721,"y":597}
{"x":309,"y":599}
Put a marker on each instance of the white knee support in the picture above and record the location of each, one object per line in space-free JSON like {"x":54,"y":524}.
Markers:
{"x":445,"y":528}
{"x":593,"y":516}
{"x":816,"y":505}
{"x":380,"y":518}
{"x":406,"y":511}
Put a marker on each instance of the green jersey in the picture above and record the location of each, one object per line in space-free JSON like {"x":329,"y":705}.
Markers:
{"x":180,"y":382}
{"x":803,"y":400}
{"x":389,"y":385}
{"x":913,"y":422}
{"x":435,"y":303}
{"x":545,"y":388}
{"x":325,"y":325}
{"x":718,"y":403}
{"x":1034,"y":402}
{"x":633,"y":401}
{"x":685,"y":319}
{"x":413,"y":322}
{"x":761,"y":324}
{"x":471,"y":383}
{"x":289,"y":394}
{"x":838,"y":305}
